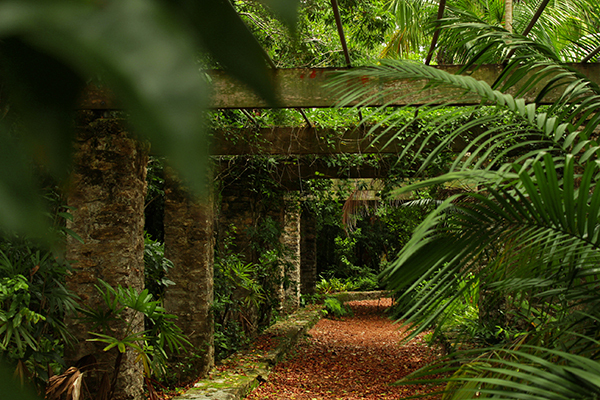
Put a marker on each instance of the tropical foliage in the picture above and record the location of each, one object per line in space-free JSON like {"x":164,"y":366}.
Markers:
{"x":34,"y":300}
{"x":568,"y":27}
{"x":129,"y":307}
{"x":156,"y":267}
{"x":33,"y":305}
{"x":246,"y":292}
{"x":523,"y":243}
{"x":522,"y":247}
{"x":316,"y":42}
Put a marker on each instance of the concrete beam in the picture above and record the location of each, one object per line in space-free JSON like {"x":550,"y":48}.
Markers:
{"x":290,"y":172}
{"x":301,"y":87}
{"x":303,"y":141}
{"x":298,"y":141}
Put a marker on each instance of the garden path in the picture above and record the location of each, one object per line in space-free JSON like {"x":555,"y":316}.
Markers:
{"x":356,"y":357}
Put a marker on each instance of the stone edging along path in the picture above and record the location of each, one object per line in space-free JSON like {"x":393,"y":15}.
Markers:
{"x":242,"y":372}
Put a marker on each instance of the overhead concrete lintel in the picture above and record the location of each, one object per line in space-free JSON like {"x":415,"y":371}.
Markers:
{"x":305,"y":88}
{"x":303,"y":141}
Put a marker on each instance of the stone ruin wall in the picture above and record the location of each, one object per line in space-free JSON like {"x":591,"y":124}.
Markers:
{"x":107,"y":194}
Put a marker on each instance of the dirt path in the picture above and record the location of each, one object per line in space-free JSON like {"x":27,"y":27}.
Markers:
{"x":356,"y":357}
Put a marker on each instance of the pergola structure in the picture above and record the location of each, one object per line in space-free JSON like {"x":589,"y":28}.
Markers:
{"x":108,"y":193}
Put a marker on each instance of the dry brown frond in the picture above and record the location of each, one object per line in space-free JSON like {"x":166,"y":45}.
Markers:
{"x":68,"y":382}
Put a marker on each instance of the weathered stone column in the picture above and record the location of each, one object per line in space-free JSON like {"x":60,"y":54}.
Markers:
{"x":238,"y":209}
{"x":255,"y":217}
{"x":189,"y":244}
{"x":107,"y":192}
{"x":308,"y":252}
{"x":290,"y":238}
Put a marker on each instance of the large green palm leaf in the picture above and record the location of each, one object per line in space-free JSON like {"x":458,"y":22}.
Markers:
{"x":536,"y":239}
{"x":567,"y":28}
{"x":409,"y":35}
{"x":563,"y":128}
{"x":523,"y":372}
{"x":536,"y":228}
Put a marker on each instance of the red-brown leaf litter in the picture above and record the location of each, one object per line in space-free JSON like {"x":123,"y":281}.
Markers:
{"x":355,"y":357}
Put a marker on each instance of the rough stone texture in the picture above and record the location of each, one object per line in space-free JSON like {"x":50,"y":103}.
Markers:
{"x":189,"y":244}
{"x":107,"y":191}
{"x":238,"y":209}
{"x":308,"y":252}
{"x":290,"y":239}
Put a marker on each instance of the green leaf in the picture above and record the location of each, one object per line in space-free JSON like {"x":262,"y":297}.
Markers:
{"x":12,"y":390}
{"x":43,"y":94}
{"x":590,"y":376}
{"x":287,"y":10}
{"x":221,"y":31}
{"x":20,"y":207}
{"x":150,"y":63}
{"x":137,"y":48}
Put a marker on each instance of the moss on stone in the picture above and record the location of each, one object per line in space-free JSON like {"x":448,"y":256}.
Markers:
{"x":249,"y":367}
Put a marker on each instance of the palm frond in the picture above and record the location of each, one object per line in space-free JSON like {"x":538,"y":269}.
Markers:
{"x":529,"y":236}
{"x":533,"y":227}
{"x":525,"y":372}
{"x":409,"y":35}
{"x":565,"y":127}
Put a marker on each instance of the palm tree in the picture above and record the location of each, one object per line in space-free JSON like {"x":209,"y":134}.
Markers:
{"x":409,"y":35}
{"x":566,"y":26}
{"x":528,"y":237}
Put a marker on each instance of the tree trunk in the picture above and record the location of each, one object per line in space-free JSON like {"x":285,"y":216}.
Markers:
{"x":508,"y":15}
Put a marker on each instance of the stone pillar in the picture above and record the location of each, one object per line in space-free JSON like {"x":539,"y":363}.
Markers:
{"x":249,"y":211}
{"x":107,"y":192}
{"x":308,"y":252}
{"x":189,"y":244}
{"x":290,"y":239}
{"x":238,"y":209}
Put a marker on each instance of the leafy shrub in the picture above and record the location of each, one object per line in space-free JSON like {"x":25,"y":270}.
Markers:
{"x":156,"y":267}
{"x":345,"y":251}
{"x":229,"y":338}
{"x":336,"y":308}
{"x":459,"y":323}
{"x":150,"y":346}
{"x":365,"y":283}
{"x":306,"y":299}
{"x":33,"y":304}
{"x":237,"y":291}
{"x":333,"y":285}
